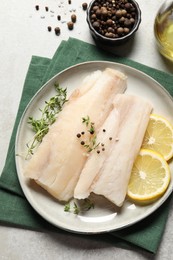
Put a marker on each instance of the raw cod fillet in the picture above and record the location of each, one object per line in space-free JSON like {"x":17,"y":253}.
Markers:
{"x":95,"y":161}
{"x":112,"y":180}
{"x":58,"y":162}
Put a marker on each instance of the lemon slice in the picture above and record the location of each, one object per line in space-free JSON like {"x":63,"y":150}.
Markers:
{"x":159,"y":136}
{"x":150,"y":177}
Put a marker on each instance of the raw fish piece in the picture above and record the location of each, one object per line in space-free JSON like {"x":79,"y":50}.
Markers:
{"x":95,"y":161}
{"x":113,"y":178}
{"x":58,"y":162}
{"x":86,"y":85}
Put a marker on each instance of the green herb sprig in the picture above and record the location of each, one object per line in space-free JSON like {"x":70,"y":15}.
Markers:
{"x":48,"y":117}
{"x":91,"y":143}
{"x":79,"y":207}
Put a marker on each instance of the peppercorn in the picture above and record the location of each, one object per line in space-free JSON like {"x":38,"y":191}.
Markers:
{"x":127,"y":23}
{"x":124,"y":12}
{"x":82,"y":142}
{"x":84,"y":6}
{"x":113,"y":18}
{"x":126,"y":30}
{"x":46,"y":8}
{"x":37,"y":7}
{"x":96,"y":25}
{"x":127,"y":6}
{"x":119,"y":13}
{"x":70,"y":25}
{"x":109,"y":34}
{"x":78,"y":135}
{"x":49,"y":28}
{"x":120,"y":30}
{"x":109,"y":22}
{"x":57,"y":30}
{"x":69,"y":1}
{"x":59,"y":17}
{"x":93,"y":16}
{"x":73,"y":18}
{"x":82,"y":133}
{"x":104,"y":12}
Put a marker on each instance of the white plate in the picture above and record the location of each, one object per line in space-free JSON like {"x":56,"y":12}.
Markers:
{"x":105,"y":216}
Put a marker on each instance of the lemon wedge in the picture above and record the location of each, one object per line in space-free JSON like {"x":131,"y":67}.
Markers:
{"x":159,"y":136}
{"x":150,"y":177}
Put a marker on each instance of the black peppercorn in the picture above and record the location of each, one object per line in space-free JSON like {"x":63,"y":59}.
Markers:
{"x":84,"y":6}
{"x":73,"y":18}
{"x":127,"y":6}
{"x":70,"y":25}
{"x":37,"y":7}
{"x":49,"y":28}
{"x":127,"y":23}
{"x":109,"y":22}
{"x":46,"y":8}
{"x":120,"y":30}
{"x":57,"y":30}
{"x":59,"y":17}
{"x":126,"y":30}
{"x":96,"y":25}
{"x":113,"y":18}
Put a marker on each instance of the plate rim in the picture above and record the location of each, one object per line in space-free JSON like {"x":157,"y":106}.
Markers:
{"x":106,"y":63}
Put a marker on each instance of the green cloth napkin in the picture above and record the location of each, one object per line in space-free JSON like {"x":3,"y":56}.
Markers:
{"x":15,"y":209}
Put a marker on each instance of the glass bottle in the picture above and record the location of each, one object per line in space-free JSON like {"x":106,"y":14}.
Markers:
{"x":163,"y":29}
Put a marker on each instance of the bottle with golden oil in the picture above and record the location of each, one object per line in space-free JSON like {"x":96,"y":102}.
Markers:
{"x":163,"y":29}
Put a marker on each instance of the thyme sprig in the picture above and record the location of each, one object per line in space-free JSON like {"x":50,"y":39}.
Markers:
{"x":48,"y":117}
{"x":91,"y":143}
{"x":79,"y":207}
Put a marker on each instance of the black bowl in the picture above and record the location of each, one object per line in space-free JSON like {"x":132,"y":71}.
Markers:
{"x":98,"y":33}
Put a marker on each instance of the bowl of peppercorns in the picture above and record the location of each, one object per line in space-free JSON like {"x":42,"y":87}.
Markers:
{"x":113,"y":22}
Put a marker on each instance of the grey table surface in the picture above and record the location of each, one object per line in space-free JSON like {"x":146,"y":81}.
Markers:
{"x":24,"y":33}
